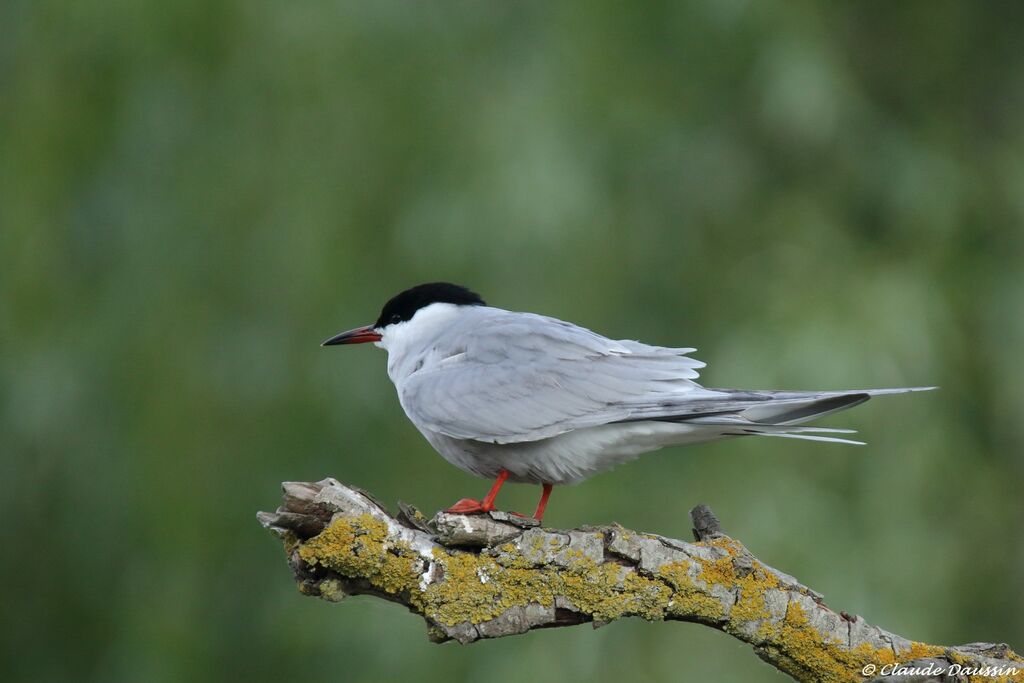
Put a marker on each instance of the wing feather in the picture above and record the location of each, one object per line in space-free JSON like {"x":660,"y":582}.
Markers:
{"x":525,"y":377}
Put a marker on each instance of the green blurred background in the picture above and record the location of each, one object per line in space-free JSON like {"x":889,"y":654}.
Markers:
{"x":194,"y":194}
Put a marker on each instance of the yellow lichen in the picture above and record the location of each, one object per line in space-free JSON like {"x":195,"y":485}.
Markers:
{"x":595,"y":589}
{"x":689,"y":599}
{"x":693,"y":595}
{"x":804,"y":649}
{"x":359,"y":546}
{"x":330,"y":589}
{"x":766,"y":631}
{"x":799,"y":646}
{"x":478,"y":587}
{"x":750,"y":586}
{"x":607,"y":592}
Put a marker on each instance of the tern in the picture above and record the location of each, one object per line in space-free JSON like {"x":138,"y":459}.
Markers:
{"x":526,"y":398}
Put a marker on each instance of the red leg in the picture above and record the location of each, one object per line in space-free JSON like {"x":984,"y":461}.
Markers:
{"x":539,"y":514}
{"x":488,"y":503}
{"x":468,"y":506}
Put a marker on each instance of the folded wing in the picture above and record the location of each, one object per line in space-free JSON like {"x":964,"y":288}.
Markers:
{"x":523,"y":377}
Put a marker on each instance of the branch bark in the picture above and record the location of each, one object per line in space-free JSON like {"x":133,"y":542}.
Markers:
{"x":488,"y":576}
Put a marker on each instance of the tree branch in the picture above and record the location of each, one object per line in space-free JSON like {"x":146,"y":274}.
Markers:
{"x":488,"y":576}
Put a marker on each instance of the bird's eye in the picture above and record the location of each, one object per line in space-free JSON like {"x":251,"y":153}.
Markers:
{"x":395,"y":319}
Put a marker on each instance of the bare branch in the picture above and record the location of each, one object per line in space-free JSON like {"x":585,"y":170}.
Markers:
{"x":488,"y":576}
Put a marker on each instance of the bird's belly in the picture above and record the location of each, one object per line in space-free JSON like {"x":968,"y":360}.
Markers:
{"x":567,"y":458}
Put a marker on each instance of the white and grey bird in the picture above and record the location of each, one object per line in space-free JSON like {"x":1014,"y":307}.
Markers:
{"x":528,"y":398}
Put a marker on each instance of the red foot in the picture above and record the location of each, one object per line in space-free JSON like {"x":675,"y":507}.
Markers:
{"x":468,"y":506}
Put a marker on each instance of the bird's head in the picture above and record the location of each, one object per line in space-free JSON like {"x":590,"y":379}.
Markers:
{"x":405,"y":310}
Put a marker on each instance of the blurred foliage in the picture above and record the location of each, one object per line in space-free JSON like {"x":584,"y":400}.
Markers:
{"x":194,"y":194}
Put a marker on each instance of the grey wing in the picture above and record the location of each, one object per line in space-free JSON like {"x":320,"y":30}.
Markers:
{"x":524,"y":377}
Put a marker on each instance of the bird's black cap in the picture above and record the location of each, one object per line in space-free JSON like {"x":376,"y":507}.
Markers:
{"x":404,"y":305}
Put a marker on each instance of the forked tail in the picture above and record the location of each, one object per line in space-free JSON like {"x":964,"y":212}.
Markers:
{"x":779,"y":413}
